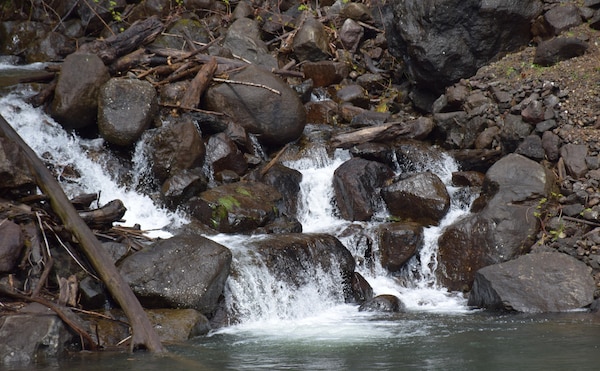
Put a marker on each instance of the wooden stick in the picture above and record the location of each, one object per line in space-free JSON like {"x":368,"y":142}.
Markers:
{"x":143,"y":332}
{"x":247,"y":84}
{"x":199,"y":85}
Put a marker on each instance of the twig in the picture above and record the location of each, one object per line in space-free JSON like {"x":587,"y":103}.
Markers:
{"x":247,"y":84}
{"x":571,"y":219}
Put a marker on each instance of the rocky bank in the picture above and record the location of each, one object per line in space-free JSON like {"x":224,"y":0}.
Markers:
{"x":223,"y":92}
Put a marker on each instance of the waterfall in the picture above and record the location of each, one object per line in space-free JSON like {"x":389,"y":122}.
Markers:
{"x":253,"y":294}
{"x":84,"y":166}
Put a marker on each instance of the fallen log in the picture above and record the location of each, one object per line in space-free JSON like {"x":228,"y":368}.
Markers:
{"x":381,"y":133}
{"x":198,"y":85}
{"x":143,"y":335}
{"x":104,"y":216}
{"x":139,"y":33}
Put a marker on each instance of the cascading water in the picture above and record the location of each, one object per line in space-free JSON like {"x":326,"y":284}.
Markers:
{"x":83,"y":165}
{"x":253,"y":294}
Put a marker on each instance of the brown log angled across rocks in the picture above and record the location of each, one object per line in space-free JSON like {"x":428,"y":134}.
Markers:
{"x":144,"y":335}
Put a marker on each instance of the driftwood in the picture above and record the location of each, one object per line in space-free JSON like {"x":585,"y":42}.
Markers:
{"x":143,"y":335}
{"x":106,"y":215}
{"x":140,"y":33}
{"x":383,"y":132}
{"x":199,"y":85}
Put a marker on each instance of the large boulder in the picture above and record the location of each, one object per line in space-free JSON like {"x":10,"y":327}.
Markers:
{"x":31,"y":337}
{"x":126,"y":108}
{"x":504,"y":225}
{"x":176,"y":146}
{"x":356,"y":184}
{"x":398,"y":242}
{"x":243,"y":38}
{"x":297,"y":258}
{"x":422,"y":197}
{"x":185,"y":271}
{"x":275,"y":116}
{"x":75,"y":103}
{"x":442,"y":41}
{"x":543,"y":282}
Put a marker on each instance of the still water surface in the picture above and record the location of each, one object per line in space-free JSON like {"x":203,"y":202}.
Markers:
{"x":413,"y":341}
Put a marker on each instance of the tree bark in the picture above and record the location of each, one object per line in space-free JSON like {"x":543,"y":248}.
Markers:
{"x":383,"y":132}
{"x":143,"y":332}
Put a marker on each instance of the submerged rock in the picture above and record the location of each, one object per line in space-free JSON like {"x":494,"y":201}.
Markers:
{"x":383,"y":303}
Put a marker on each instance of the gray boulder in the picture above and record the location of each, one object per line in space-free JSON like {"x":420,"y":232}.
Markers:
{"x":126,"y":108}
{"x":176,"y":146}
{"x":442,"y":41}
{"x":75,"y":103}
{"x":422,"y":198}
{"x":543,"y":282}
{"x":502,"y":226}
{"x":185,"y":271}
{"x":243,"y":39}
{"x":11,"y":245}
{"x":356,"y":183}
{"x":276,"y":117}
{"x":31,"y":338}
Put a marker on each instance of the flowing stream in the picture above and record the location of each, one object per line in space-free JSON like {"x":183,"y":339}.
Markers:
{"x":311,"y":328}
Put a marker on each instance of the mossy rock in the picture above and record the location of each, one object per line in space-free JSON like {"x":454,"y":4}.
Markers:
{"x":238,"y":207}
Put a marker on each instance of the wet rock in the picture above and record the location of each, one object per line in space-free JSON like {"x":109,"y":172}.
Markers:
{"x":126,"y":108}
{"x":440,"y":47}
{"x":32,"y":338}
{"x":487,"y":137}
{"x":467,"y":178}
{"x":53,"y":46}
{"x":422,"y":197}
{"x":502,"y":224}
{"x":275,"y":118}
{"x":185,"y":271}
{"x":311,"y":42}
{"x":176,"y":146}
{"x":322,"y":112}
{"x":458,"y":129}
{"x":534,"y":283}
{"x":558,"y":49}
{"x":11,"y":245}
{"x":361,"y":290}
{"x":223,"y":154}
{"x":398,"y":242}
{"x":383,"y":303}
{"x":355,"y":184}
{"x":325,"y":73}
{"x":238,"y":207}
{"x":149,"y":8}
{"x":15,"y":179}
{"x":287,"y":182}
{"x":477,"y":159}
{"x":75,"y":103}
{"x":17,"y":37}
{"x":298,"y":258}
{"x":533,"y":112}
{"x":574,"y":156}
{"x":182,"y":186}
{"x":243,"y":39}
